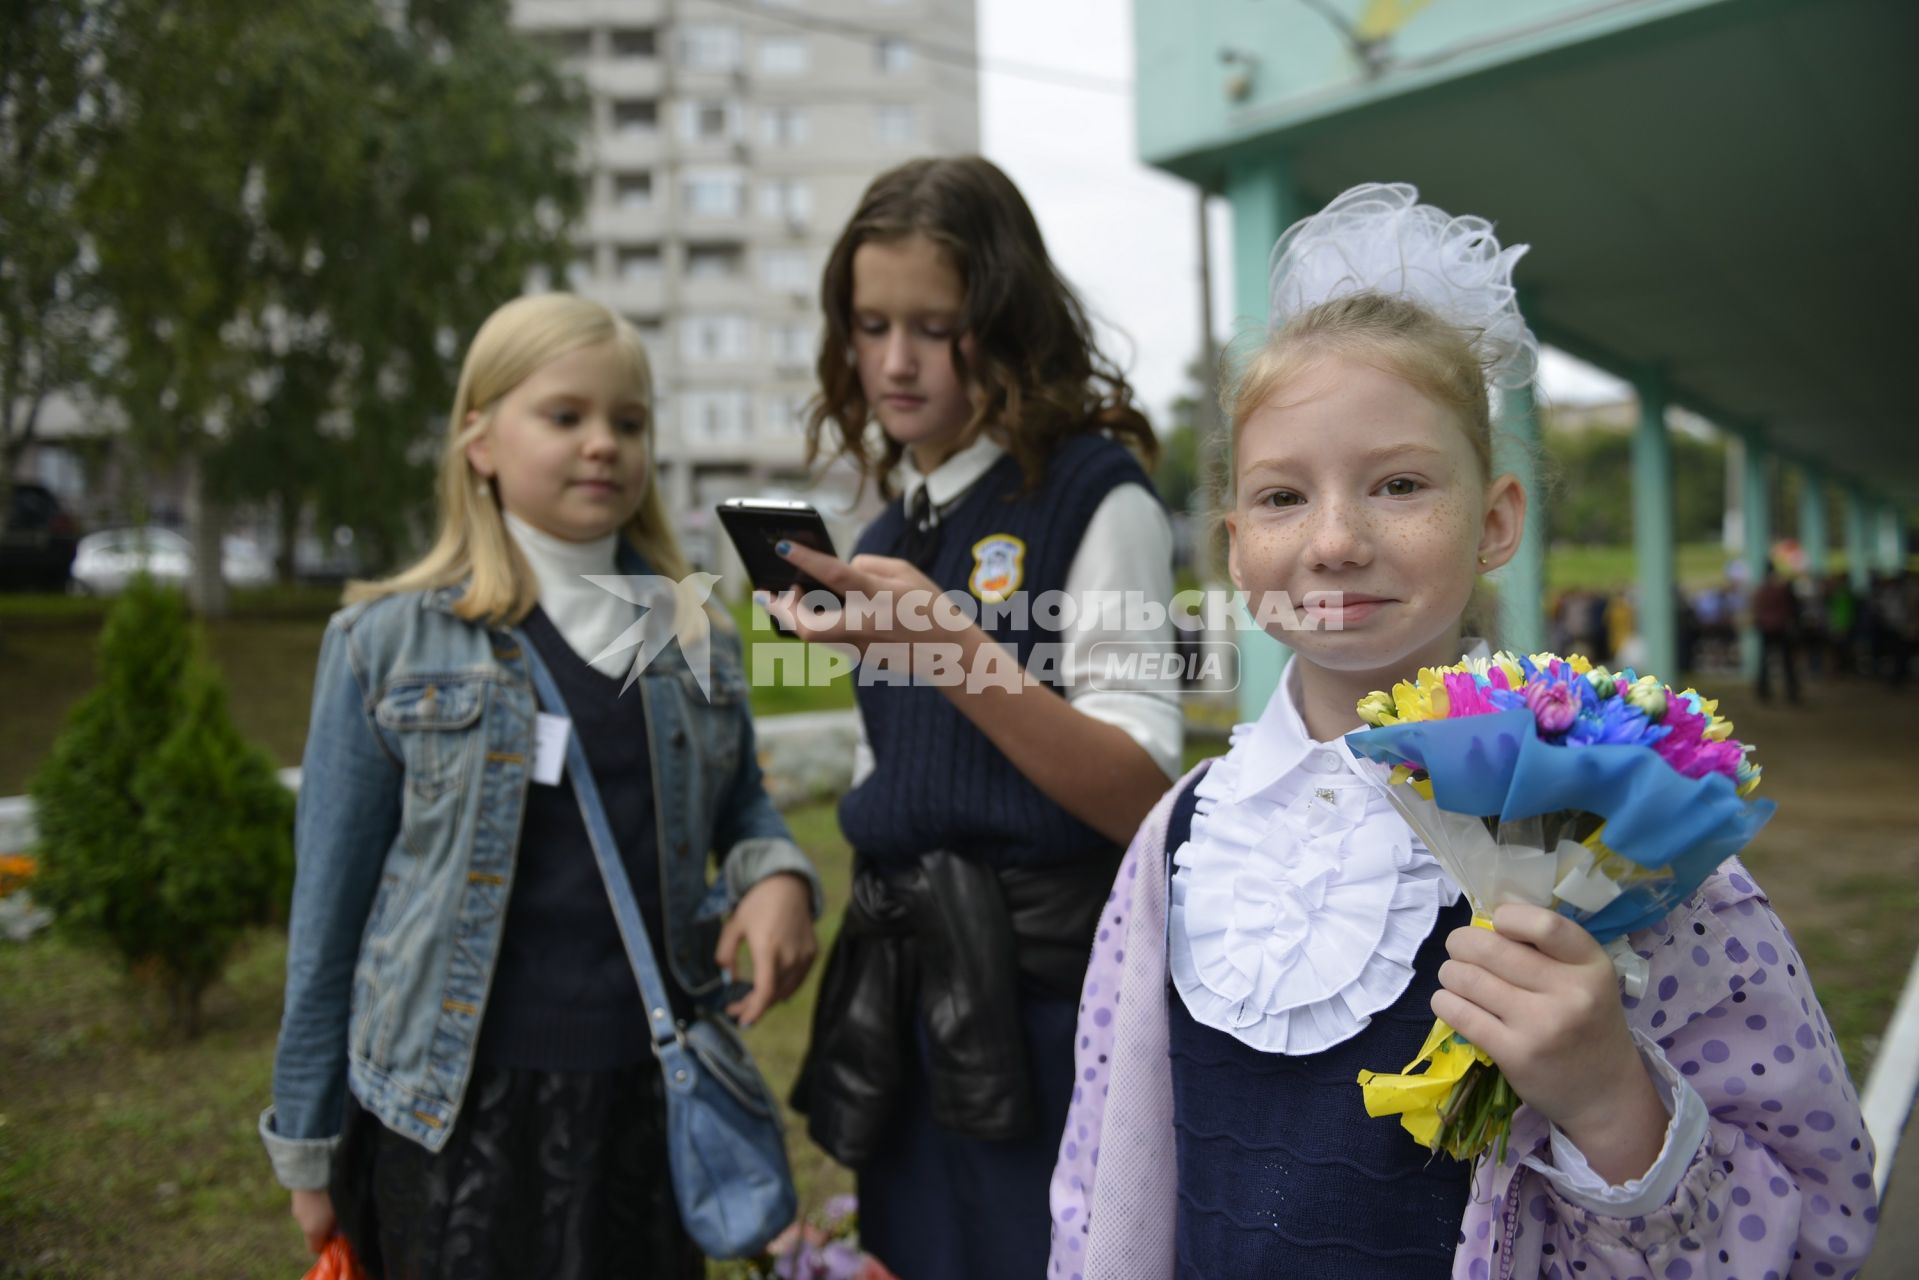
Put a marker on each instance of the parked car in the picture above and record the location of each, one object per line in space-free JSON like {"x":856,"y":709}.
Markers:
{"x":38,"y":541}
{"x":108,"y":560}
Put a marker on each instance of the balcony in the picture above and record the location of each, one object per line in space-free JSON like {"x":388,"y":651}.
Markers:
{"x":626,"y":77}
{"x":549,"y":15}
{"x":638,"y":296}
{"x":628,"y":148}
{"x":626,"y":223}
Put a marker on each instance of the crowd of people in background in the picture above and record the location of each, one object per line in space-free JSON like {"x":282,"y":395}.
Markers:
{"x":1817,"y":626}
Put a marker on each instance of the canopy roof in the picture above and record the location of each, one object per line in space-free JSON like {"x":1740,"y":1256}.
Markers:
{"x":1719,"y":193}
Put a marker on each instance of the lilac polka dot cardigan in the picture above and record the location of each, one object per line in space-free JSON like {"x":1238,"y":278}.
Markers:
{"x":1776,"y":1183}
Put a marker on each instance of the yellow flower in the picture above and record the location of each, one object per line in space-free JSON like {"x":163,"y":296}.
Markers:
{"x":1376,"y":709}
{"x":15,"y":870}
{"x":1719,"y":728}
{"x":1425,"y":700}
{"x":1417,"y":1096}
{"x":1515,"y":674}
{"x":1580,"y":663}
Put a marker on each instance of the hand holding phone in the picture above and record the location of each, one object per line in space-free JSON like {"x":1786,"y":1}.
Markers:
{"x":757,"y":525}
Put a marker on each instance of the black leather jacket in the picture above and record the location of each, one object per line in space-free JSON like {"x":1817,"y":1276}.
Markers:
{"x":955,"y":943}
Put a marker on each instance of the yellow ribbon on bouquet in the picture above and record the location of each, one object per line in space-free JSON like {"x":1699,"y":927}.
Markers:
{"x":1417,"y":1098}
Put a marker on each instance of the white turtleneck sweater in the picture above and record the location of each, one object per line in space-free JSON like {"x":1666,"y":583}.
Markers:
{"x":588,"y":616}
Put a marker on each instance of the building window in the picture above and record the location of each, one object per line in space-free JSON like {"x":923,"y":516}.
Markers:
{"x":635,"y":42}
{"x":783,"y":413}
{"x":712,"y":261}
{"x":636,"y":115}
{"x":568,"y":46}
{"x":713,"y":339}
{"x":715,"y":417}
{"x":792,"y":342}
{"x":894,"y":124}
{"x":709,"y":46}
{"x":785,"y":126}
{"x":786,"y":199}
{"x":640,"y":263}
{"x":580,"y":272}
{"x":784,"y":56}
{"x":785,"y":270}
{"x":652,"y":333}
{"x":709,"y":120}
{"x":633,"y":190}
{"x":893,"y":57}
{"x":714,"y":193}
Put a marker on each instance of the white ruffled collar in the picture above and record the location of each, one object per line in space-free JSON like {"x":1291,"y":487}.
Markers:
{"x":1301,"y":897}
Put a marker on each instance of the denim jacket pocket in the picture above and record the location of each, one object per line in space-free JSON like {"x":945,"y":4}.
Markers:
{"x":432,"y":717}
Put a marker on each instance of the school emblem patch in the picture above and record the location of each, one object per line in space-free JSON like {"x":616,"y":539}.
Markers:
{"x":999,"y":566}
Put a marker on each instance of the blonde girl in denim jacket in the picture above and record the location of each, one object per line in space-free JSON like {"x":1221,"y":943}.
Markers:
{"x":464,"y":1084}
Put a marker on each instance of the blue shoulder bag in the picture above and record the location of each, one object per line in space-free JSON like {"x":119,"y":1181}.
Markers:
{"x":724,"y":1137}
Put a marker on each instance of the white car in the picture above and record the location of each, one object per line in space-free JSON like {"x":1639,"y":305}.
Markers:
{"x":105,"y":562}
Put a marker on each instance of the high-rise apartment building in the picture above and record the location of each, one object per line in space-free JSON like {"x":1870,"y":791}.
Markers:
{"x":730,"y":141}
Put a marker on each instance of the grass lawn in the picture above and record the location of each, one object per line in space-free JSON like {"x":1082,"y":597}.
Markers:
{"x":124,"y":1156}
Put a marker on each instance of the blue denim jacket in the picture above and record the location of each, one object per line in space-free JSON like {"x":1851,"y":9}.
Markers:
{"x":411,"y":794}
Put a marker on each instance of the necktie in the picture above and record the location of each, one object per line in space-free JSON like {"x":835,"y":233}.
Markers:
{"x":922,"y":534}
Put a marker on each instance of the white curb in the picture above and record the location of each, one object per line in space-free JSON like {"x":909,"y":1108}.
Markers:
{"x":1893,"y":1081}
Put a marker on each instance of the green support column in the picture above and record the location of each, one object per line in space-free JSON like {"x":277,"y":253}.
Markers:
{"x":1653,"y":529}
{"x":1859,"y":548}
{"x":1888,"y":555}
{"x":1265,"y":202}
{"x":1812,"y":522}
{"x":1755,"y":493}
{"x":1522,"y":583}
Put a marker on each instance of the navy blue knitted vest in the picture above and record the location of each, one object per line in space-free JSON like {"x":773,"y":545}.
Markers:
{"x":938,"y":783}
{"x":1282,"y":1172}
{"x":563,"y":995}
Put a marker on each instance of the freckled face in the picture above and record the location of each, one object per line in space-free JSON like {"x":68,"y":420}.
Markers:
{"x":1350,"y":482}
{"x":908,"y":304}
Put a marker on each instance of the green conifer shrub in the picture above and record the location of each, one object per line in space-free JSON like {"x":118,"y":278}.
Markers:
{"x":163,"y":834}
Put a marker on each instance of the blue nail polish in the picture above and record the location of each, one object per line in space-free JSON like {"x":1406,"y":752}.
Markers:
{"x":782,"y":546}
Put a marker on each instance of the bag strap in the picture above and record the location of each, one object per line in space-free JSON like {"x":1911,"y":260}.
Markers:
{"x":599,"y":832}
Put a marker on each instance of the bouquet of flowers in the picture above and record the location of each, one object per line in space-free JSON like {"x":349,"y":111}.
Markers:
{"x":1605,"y":796}
{"x":826,"y":1247}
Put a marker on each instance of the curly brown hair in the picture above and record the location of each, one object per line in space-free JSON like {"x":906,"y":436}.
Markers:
{"x":1038,"y":374}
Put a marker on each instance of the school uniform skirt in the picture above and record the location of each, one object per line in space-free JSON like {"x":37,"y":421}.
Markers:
{"x":561,"y":1175}
{"x":938,"y":1205}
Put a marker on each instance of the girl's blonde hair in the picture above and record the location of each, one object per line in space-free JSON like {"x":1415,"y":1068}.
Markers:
{"x":1391,"y":334}
{"x":473,"y":546}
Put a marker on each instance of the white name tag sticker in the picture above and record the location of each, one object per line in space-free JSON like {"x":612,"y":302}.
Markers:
{"x":549,"y":748}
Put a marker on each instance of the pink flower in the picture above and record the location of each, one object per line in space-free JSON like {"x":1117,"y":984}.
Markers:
{"x":1464,"y":696}
{"x":1553,"y":705}
{"x":1688,"y":749}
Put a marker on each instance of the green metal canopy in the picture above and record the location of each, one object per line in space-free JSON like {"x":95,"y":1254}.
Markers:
{"x":1720,"y":194}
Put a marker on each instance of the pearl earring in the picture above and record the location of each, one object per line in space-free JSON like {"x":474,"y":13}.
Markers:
{"x":484,"y":490}
{"x":1482,"y":562}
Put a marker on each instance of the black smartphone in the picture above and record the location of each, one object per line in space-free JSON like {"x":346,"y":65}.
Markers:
{"x":757,"y":525}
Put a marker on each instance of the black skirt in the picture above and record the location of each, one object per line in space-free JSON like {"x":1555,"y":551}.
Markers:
{"x":546,"y":1173}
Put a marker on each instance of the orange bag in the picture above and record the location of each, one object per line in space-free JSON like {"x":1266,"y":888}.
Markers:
{"x":336,"y":1261}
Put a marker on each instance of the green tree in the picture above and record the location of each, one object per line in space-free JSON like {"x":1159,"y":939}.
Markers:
{"x":163,"y":834}
{"x":46,"y":104}
{"x":1591,"y":481}
{"x":300,"y":213}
